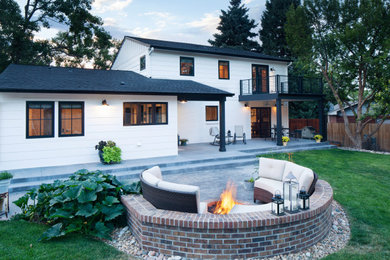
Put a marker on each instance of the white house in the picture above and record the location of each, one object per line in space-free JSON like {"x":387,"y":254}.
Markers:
{"x":155,"y":91}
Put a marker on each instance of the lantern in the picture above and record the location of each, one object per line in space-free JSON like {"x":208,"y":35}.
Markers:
{"x":290,"y":193}
{"x":277,"y":206}
{"x":304,"y":199}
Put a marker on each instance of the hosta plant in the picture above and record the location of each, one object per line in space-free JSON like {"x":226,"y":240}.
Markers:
{"x":88,"y":202}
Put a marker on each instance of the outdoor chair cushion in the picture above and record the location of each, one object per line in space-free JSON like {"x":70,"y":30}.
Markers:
{"x":271,"y":168}
{"x":150,"y":178}
{"x":269,"y":185}
{"x":156,"y":171}
{"x":178,"y":187}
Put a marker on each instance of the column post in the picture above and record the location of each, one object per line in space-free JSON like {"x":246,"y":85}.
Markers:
{"x":279,"y":122}
{"x":222,"y":141}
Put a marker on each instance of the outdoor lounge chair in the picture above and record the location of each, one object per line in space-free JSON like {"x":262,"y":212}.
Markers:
{"x":239,"y":133}
{"x":214,"y":131}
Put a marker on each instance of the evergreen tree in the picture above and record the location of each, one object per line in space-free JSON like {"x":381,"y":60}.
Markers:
{"x":84,"y":41}
{"x":272,"y":35}
{"x":235,"y":28}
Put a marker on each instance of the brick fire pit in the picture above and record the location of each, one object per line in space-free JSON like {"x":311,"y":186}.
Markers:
{"x":257,"y":234}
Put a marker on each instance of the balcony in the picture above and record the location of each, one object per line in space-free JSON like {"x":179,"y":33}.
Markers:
{"x":280,"y":85}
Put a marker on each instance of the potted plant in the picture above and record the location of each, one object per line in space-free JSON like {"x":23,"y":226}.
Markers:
{"x":318,"y":138}
{"x":285,"y":140}
{"x":5,"y":180}
{"x":109,"y":153}
{"x":183,"y":142}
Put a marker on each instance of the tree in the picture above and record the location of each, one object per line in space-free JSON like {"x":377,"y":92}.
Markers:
{"x":348,"y":43}
{"x":272,"y":34}
{"x":235,"y":28}
{"x":84,"y":41}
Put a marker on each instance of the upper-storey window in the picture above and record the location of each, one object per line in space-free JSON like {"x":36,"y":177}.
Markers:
{"x":223,"y":69}
{"x":142,"y":63}
{"x":145,"y":113}
{"x":71,"y":119}
{"x":40,"y":119}
{"x":186,"y":66}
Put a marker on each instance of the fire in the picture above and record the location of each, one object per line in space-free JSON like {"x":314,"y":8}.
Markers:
{"x":227,"y":200}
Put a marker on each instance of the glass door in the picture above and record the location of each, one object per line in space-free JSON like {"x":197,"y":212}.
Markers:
{"x":261,"y":122}
{"x":260,"y":79}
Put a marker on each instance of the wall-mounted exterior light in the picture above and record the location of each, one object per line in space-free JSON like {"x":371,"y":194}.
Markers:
{"x":104,"y":102}
{"x":183,"y":101}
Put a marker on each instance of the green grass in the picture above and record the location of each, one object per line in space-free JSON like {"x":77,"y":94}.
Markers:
{"x":361,"y":184}
{"x":19,"y":240}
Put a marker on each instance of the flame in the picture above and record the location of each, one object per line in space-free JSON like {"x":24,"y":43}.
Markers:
{"x":227,"y":200}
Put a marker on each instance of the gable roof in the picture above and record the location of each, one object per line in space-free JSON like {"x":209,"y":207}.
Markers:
{"x":46,"y":79}
{"x":197,"y":48}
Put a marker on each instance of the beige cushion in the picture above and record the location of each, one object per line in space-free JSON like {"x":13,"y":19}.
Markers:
{"x":150,"y":179}
{"x":269,"y":185}
{"x":250,"y":208}
{"x":177,"y":187}
{"x":271,"y":168}
{"x":295,"y":169}
{"x":156,"y":171}
{"x":306,"y":179}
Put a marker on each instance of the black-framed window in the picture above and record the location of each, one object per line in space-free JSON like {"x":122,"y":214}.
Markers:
{"x":211,"y":113}
{"x":70,"y":119}
{"x":151,"y":113}
{"x":187,"y":66}
{"x":142,"y":63}
{"x":223,"y":69}
{"x":39,"y":119}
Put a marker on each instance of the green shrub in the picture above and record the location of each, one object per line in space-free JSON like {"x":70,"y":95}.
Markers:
{"x":5,"y":175}
{"x":88,"y":202}
{"x":112,"y":154}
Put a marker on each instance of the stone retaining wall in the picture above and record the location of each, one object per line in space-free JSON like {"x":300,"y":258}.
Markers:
{"x":258,"y":234}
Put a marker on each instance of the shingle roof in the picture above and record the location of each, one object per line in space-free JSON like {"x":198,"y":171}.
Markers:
{"x":45,"y":79}
{"x":189,"y":47}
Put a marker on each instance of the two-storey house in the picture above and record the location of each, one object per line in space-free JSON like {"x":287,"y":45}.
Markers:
{"x":154,"y":92}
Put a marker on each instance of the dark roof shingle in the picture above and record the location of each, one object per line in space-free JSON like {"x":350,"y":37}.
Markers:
{"x":28,"y":78}
{"x":189,"y":47}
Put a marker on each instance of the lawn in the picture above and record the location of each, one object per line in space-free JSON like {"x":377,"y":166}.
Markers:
{"x":361,"y":184}
{"x":19,"y":240}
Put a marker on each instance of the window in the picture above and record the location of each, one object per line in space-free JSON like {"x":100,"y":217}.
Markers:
{"x":142,"y":63}
{"x":223,"y":69}
{"x":145,"y":113}
{"x":40,"y":119}
{"x":71,"y":119}
{"x":211,"y":113}
{"x":186,"y":66}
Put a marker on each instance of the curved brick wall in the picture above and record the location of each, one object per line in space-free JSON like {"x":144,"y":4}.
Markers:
{"x":258,"y":234}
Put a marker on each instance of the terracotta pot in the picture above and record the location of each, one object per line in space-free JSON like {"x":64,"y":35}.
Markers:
{"x":284,"y":143}
{"x":318,"y":141}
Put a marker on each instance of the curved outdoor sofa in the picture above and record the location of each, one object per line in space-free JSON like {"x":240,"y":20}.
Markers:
{"x":273,"y":172}
{"x":168,"y":195}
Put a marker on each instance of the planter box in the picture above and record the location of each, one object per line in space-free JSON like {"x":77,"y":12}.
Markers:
{"x":4,"y":184}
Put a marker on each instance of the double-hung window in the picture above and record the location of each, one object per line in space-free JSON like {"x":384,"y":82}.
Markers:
{"x":223,"y":69}
{"x":71,"y":119}
{"x":187,"y":67}
{"x":211,"y":113}
{"x":135,"y":113}
{"x":40,"y":119}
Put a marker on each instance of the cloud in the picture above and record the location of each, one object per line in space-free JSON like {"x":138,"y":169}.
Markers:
{"x":101,"y":6}
{"x":165,"y":15}
{"x":109,"y":21}
{"x":208,"y":22}
{"x":46,"y":33}
{"x":145,"y":32}
{"x":247,"y":1}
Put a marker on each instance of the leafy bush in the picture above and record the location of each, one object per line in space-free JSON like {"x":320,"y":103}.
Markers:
{"x":285,"y":139}
{"x":88,"y":202}
{"x":5,"y":176}
{"x":112,"y":154}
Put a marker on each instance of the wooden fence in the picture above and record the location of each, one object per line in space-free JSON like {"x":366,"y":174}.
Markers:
{"x":336,"y":134}
{"x":299,"y":123}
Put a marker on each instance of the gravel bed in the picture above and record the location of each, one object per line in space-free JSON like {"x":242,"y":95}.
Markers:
{"x":337,"y":239}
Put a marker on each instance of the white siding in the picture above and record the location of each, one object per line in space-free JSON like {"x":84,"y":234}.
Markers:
{"x":101,"y":123}
{"x":191,"y":115}
{"x":129,"y":56}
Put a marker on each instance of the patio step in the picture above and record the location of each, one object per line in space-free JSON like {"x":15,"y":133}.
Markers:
{"x":38,"y":176}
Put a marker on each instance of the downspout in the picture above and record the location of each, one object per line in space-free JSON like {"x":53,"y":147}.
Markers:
{"x":151,"y":50}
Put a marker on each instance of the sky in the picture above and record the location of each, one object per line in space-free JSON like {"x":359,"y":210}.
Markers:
{"x":186,"y":21}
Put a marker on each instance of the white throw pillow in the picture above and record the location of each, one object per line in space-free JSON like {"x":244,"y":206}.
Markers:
{"x":271,"y":168}
{"x":295,"y":169}
{"x":306,"y":179}
{"x":150,"y":179}
{"x":156,"y":171}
